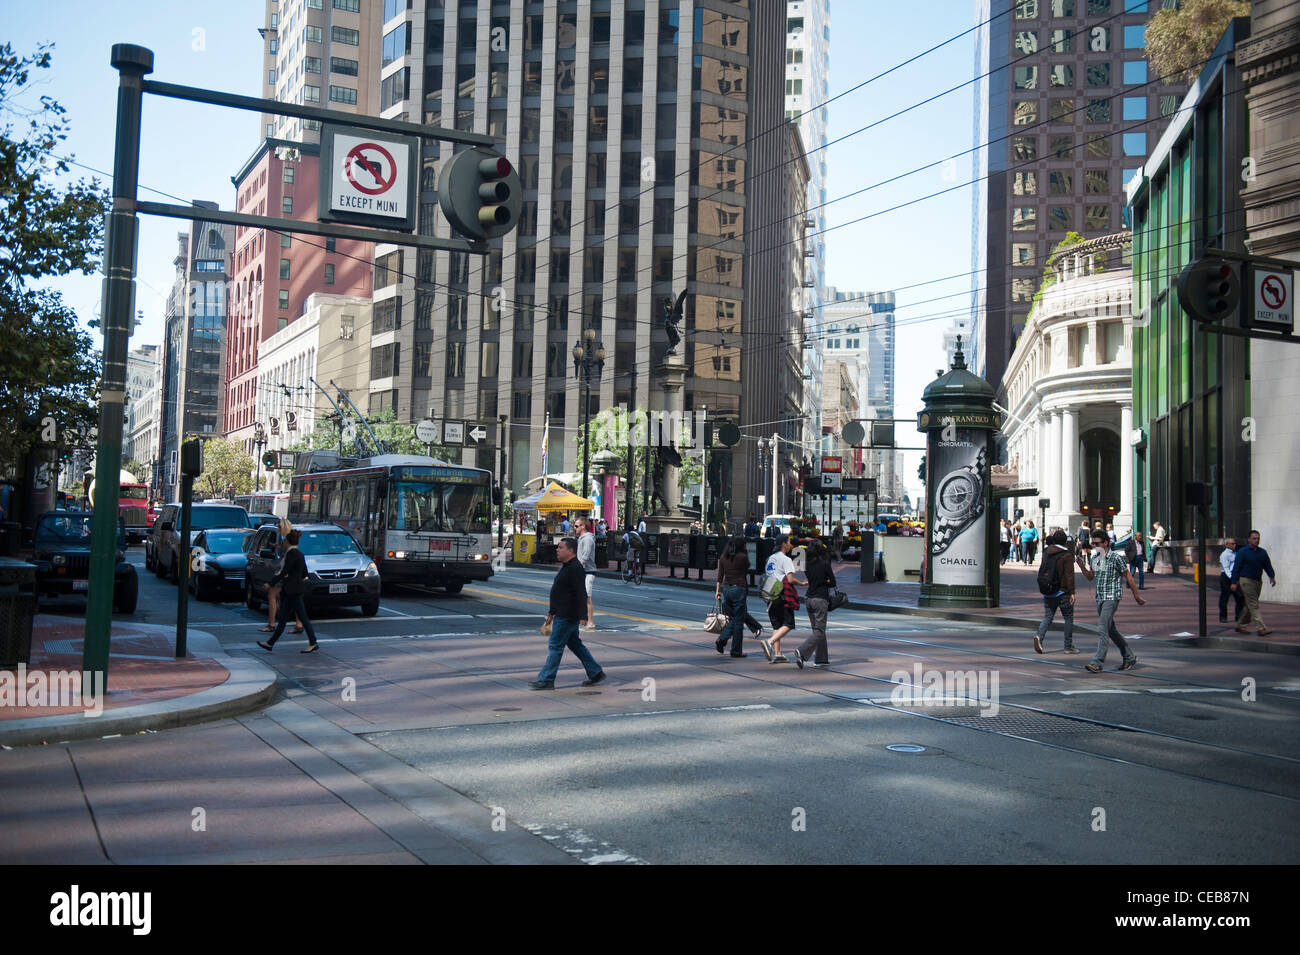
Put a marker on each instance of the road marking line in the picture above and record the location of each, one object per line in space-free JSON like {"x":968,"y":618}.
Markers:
{"x":1082,"y":692}
{"x":392,"y":611}
{"x":604,"y":613}
{"x":693,"y":709}
{"x":1192,"y":689}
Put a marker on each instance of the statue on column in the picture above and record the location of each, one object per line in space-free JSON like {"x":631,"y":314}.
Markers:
{"x":672,"y":321}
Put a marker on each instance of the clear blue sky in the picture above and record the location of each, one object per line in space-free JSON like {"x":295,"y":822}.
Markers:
{"x":191,"y":150}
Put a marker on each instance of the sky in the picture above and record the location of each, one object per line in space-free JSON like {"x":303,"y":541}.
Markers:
{"x":190,"y":151}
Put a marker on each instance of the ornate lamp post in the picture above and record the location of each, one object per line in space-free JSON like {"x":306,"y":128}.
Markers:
{"x":588,"y":360}
{"x":259,"y":441}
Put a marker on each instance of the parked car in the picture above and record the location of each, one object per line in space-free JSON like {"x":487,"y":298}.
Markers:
{"x":257,"y":520}
{"x":61,"y":553}
{"x":163,"y":544}
{"x":218,"y":562}
{"x":339,"y":572}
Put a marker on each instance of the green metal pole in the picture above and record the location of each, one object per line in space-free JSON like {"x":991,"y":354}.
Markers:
{"x":132,"y":63}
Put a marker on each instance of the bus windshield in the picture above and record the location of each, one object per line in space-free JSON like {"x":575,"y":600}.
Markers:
{"x":438,"y":506}
{"x":137,"y":492}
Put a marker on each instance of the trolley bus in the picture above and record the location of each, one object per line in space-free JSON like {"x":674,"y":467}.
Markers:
{"x":420,"y":519}
{"x":265,"y":502}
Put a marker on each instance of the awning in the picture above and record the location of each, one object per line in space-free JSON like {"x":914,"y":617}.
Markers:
{"x":554,"y":498}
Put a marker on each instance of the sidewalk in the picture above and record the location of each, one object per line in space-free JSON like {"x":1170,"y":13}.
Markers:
{"x":148,"y":688}
{"x":1170,"y":612}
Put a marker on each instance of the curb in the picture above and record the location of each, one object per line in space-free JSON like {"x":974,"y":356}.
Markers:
{"x":1023,"y":623}
{"x":249,"y":686}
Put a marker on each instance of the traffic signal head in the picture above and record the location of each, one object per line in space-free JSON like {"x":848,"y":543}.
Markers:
{"x":480,"y":193}
{"x":1210,"y":289}
{"x":268,"y":460}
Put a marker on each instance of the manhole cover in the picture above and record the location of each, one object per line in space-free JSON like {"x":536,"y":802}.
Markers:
{"x":313,"y":681}
{"x":905,"y":748}
{"x":1024,"y":723}
{"x":507,"y":709}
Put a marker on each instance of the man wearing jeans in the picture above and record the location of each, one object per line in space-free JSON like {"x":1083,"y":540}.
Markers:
{"x":1057,"y":555}
{"x":1111,"y":573}
{"x":568,"y":609}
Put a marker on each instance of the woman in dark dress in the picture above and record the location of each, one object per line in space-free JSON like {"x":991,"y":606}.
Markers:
{"x":293,"y":575}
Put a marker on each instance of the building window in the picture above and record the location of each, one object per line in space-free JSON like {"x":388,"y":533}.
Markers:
{"x":1060,"y":183}
{"x":1024,"y":184}
{"x":1060,"y":147}
{"x":341,"y":65}
{"x":1098,"y":74}
{"x":330,"y":244}
{"x":310,"y":94}
{"x":388,"y":315}
{"x":1023,"y":253}
{"x":1060,"y":218}
{"x":1099,"y":147}
{"x":286,"y":205}
{"x":1062,"y":8}
{"x":1135,"y":107}
{"x":288,"y":174}
{"x":521,"y":405}
{"x":1062,"y":41}
{"x":794,"y":87}
{"x":274,"y":46}
{"x":351,"y":6}
{"x":1025,"y":113}
{"x":1026,"y":41}
{"x":311,"y":64}
{"x":388,"y":269}
{"x":270,"y":77}
{"x":1062,"y":76}
{"x":1027,"y":10}
{"x":342,"y":94}
{"x":793,"y":24}
{"x":1096,"y":181}
{"x":1135,"y":144}
{"x":395,"y":88}
{"x":1024,"y":148}
{"x":1022,"y":290}
{"x":1061,"y":110}
{"x":1168,"y":105}
{"x":1024,"y":218}
{"x":344,"y":35}
{"x":385,"y":360}
{"x":1096,"y":218}
{"x":347,"y":327}
{"x":286,"y":240}
{"x":1098,"y":111}
{"x":1099,"y":39}
{"x":329,"y":273}
{"x":455,"y":360}
{"x":284,"y":298}
{"x":284,"y":270}
{"x":1135,"y":71}
{"x":311,"y":34}
{"x":397,"y":43}
{"x":1026,"y":77}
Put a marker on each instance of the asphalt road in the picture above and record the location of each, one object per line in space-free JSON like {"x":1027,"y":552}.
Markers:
{"x":1190,"y":758}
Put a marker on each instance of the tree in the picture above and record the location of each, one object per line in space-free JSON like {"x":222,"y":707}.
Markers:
{"x":609,"y":432}
{"x":141,"y":471}
{"x":226,"y":467}
{"x":48,"y":364}
{"x":1179,"y":41}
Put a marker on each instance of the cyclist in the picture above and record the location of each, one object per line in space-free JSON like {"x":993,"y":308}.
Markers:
{"x":635,"y":547}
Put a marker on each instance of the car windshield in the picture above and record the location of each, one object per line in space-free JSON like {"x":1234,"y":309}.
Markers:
{"x":230,"y":542}
{"x":327,"y":542}
{"x":64,"y":527}
{"x":205,"y":517}
{"x":135,"y":492}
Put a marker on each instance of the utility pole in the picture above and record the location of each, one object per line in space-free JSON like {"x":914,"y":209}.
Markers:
{"x":631,"y":451}
{"x":776,"y":443}
{"x":704,"y":473}
{"x":501,"y":480}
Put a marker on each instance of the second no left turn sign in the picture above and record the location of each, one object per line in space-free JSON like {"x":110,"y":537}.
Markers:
{"x":370,"y":168}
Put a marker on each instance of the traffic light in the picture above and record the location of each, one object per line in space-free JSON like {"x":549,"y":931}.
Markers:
{"x":1209,"y":289}
{"x":480,"y":193}
{"x":268,"y":460}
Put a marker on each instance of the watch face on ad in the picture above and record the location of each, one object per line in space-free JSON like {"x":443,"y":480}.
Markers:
{"x":957,"y":532}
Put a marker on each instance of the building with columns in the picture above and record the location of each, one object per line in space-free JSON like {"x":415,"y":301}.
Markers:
{"x":1069,"y":388}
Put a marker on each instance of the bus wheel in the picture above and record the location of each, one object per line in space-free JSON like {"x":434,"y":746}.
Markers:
{"x":370,"y":607}
{"x":454,"y":586}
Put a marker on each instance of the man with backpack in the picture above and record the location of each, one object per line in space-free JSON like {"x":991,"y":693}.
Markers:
{"x":782,"y":599}
{"x":1056,"y":584}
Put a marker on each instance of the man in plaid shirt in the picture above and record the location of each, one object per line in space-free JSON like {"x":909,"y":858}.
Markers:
{"x":1111,"y":573}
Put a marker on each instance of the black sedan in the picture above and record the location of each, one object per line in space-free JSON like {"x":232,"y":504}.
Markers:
{"x":217,"y":563}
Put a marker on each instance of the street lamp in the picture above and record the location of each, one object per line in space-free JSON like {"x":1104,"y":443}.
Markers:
{"x":588,"y":360}
{"x":259,"y":439}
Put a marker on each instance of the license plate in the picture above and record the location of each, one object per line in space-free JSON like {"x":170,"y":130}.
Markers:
{"x":81,"y":585}
{"x":439,"y":545}
{"x":338,"y":588}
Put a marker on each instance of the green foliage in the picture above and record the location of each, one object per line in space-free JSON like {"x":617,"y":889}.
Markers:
{"x":141,"y":471}
{"x":400,"y":438}
{"x":1179,"y":41}
{"x":227,"y":469}
{"x":1049,"y":268}
{"x":48,"y":228}
{"x":609,"y":432}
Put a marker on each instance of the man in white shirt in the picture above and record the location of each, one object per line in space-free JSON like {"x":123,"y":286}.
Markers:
{"x":1228,"y":560}
{"x":780,"y":611}
{"x":587,"y":558}
{"x":640,"y":527}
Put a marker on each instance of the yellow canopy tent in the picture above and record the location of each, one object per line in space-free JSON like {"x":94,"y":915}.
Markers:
{"x":556,"y":498}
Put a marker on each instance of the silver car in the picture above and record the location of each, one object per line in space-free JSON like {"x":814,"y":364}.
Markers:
{"x":339,"y":572}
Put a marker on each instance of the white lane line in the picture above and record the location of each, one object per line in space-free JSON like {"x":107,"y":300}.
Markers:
{"x":693,"y":709}
{"x":1192,"y":689}
{"x":507,"y":616}
{"x":1099,"y":692}
{"x":397,"y":613}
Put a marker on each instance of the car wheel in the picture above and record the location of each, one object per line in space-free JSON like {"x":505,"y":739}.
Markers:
{"x":148,"y":559}
{"x":454,"y":587}
{"x":250,"y":598}
{"x":370,"y":607}
{"x":128,"y":594}
{"x":159,"y":569}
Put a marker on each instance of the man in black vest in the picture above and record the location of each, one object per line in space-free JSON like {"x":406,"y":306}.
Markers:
{"x":568,"y":609}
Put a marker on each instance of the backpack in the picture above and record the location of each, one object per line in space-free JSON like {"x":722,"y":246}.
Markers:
{"x":1049,"y":575}
{"x":771,"y":587}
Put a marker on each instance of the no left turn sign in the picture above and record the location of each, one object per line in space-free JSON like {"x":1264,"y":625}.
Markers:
{"x":370,"y":168}
{"x":1274,"y":298}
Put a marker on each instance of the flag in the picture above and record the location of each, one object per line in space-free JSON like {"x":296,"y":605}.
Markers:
{"x":546,"y":433}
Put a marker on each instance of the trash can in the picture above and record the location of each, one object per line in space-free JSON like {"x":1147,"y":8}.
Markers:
{"x":866,"y":558}
{"x":17,"y":607}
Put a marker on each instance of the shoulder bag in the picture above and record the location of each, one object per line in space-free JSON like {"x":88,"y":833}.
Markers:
{"x":715,"y":621}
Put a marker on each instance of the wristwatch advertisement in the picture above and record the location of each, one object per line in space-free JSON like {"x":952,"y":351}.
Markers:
{"x":958,"y":523}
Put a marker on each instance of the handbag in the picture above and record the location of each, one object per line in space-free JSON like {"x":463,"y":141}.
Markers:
{"x":715,"y":621}
{"x":838,"y":599}
{"x":546,"y":626}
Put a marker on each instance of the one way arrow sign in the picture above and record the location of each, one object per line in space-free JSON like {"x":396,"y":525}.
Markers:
{"x":477,"y":435}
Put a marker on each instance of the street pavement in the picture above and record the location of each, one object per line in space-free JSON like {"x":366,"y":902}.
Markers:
{"x":412,"y":737}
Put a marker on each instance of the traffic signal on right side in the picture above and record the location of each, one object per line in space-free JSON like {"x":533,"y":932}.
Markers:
{"x":268,"y":460}
{"x":480,"y":193}
{"x":1209,"y":289}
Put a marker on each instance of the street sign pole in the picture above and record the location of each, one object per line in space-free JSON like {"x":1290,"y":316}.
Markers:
{"x":132,"y":63}
{"x":501,"y":481}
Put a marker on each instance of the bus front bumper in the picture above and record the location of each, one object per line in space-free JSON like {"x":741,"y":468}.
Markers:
{"x":423,"y":571}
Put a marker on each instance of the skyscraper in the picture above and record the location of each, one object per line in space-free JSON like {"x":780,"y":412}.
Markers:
{"x":650,"y":144}
{"x":1069,"y":112}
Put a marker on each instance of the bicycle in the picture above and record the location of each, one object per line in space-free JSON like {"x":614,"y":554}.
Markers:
{"x":633,"y":572}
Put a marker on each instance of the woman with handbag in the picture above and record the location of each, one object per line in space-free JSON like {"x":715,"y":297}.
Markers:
{"x":293,"y":574}
{"x":733,"y":565}
{"x":820,"y":581}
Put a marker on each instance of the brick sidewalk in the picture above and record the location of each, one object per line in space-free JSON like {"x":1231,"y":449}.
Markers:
{"x":142,"y":667}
